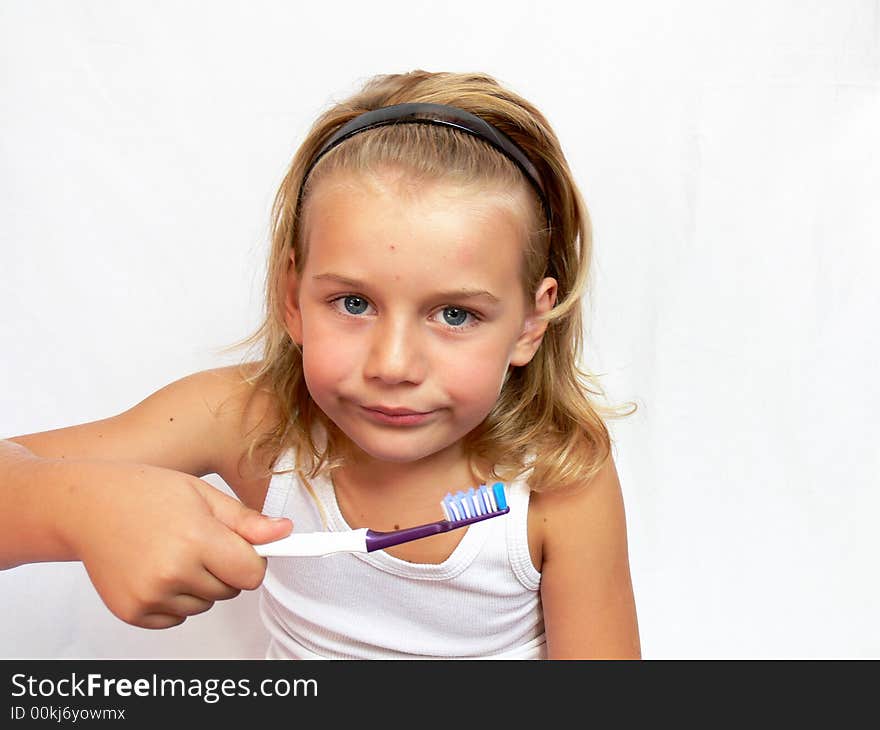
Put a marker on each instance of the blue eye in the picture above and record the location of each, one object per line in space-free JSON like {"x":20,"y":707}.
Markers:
{"x":454,"y":316}
{"x":355,"y":305}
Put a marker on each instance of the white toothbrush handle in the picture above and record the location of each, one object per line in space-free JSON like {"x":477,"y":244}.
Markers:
{"x":316,"y":543}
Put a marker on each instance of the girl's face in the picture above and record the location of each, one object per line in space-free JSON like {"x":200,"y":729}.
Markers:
{"x":409,"y":311}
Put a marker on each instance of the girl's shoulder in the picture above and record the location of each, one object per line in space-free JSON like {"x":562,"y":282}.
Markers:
{"x":568,"y":521}
{"x":559,"y":519}
{"x":243,"y":413}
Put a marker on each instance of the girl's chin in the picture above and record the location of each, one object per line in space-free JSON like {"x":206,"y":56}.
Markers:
{"x":391,"y":455}
{"x":395,"y":447}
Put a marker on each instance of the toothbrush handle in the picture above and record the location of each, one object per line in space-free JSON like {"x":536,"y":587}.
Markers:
{"x":315,"y":543}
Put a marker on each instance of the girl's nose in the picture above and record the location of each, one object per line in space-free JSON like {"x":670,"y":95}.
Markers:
{"x":395,"y":354}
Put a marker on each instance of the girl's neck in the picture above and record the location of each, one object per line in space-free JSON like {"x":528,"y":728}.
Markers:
{"x":384,"y":496}
{"x":445,"y":471}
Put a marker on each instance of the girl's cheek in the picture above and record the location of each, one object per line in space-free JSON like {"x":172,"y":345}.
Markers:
{"x":474,"y":380}
{"x":328,"y":356}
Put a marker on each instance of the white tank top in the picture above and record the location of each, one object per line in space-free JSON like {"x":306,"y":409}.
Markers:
{"x":483,"y":601}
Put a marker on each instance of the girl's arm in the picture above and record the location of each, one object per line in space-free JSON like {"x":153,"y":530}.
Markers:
{"x":123,"y":496}
{"x":586,"y":588}
{"x":185,"y":426}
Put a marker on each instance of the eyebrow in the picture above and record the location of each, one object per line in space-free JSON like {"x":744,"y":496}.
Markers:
{"x":450,"y":294}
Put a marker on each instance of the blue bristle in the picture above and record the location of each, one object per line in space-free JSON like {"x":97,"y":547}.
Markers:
{"x":459,"y":502}
{"x":472,"y":503}
{"x":500,"y":499}
{"x":492,"y":506}
{"x":449,"y":501}
{"x":484,"y":499}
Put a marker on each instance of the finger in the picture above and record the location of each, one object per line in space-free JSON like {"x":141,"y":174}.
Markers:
{"x":266,"y":529}
{"x":160,"y":621}
{"x":180,"y":605}
{"x":253,"y":526}
{"x":232,"y":559}
{"x":211,"y":588}
{"x":184,"y":604}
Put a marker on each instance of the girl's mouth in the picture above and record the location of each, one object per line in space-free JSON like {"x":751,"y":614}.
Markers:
{"x":397,"y":416}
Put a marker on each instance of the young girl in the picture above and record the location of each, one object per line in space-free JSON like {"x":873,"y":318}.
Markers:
{"x":423,"y":328}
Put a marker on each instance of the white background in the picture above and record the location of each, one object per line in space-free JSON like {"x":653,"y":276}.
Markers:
{"x":729,"y":153}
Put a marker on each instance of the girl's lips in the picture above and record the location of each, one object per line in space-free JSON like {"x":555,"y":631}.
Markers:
{"x":402,"y":418}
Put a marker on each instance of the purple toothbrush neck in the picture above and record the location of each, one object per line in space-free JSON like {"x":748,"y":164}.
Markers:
{"x":381,"y":540}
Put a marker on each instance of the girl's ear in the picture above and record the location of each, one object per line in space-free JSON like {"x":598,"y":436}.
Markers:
{"x":533,"y":329}
{"x":292,"y":314}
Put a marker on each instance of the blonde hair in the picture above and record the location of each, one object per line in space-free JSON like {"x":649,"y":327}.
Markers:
{"x":547,"y":409}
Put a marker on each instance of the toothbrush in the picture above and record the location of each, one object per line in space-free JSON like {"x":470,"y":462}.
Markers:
{"x":461,"y":509}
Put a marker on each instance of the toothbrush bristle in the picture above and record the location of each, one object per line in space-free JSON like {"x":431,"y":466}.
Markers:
{"x":500,"y":499}
{"x":470,"y":504}
{"x":475,"y":502}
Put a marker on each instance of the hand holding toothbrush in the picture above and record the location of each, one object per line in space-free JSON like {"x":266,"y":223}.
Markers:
{"x":159,"y":545}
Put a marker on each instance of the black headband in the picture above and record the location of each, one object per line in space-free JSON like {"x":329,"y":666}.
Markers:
{"x":439,"y":114}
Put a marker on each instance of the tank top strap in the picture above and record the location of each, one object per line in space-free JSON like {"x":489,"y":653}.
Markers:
{"x":518,"y":494}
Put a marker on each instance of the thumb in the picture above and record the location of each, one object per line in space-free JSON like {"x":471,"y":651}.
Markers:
{"x":253,"y":526}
